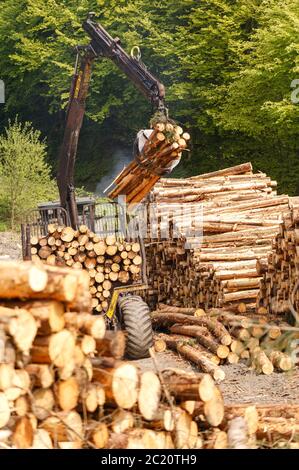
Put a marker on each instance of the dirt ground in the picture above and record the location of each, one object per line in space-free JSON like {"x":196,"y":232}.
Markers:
{"x":10,"y":246}
{"x":241,"y":385}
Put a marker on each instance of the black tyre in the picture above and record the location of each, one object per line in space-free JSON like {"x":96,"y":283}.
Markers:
{"x":135,"y":316}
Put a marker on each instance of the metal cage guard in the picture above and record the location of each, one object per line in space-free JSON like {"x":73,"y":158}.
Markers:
{"x":107,"y":218}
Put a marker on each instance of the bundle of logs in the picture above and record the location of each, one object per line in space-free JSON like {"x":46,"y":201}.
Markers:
{"x":63,"y":383}
{"x":265,"y":345}
{"x":280,"y":286}
{"x":228,"y":219}
{"x":220,"y":337}
{"x":110,"y":262}
{"x":164,"y":145}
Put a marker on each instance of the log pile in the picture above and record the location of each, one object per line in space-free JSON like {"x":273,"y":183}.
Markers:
{"x":228,"y":219}
{"x":109,"y":262}
{"x":279,"y":292}
{"x":64,"y":384}
{"x":265,"y":426}
{"x":165,"y":145}
{"x":169,"y":272}
{"x":221,"y":337}
{"x":266,"y":345}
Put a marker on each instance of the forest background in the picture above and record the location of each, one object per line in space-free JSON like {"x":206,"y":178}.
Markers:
{"x":230,"y":68}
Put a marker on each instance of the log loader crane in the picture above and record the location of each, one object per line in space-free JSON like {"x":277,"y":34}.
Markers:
{"x":133,"y":312}
{"x":102,"y":45}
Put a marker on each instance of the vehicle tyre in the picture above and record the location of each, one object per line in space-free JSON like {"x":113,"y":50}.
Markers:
{"x":135,"y":316}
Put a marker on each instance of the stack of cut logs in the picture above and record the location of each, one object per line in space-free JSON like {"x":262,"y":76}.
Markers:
{"x":63,"y":383}
{"x":220,"y":337}
{"x":109,"y":262}
{"x":266,"y":345}
{"x":229,"y":219}
{"x":164,"y":145}
{"x":169,"y":274}
{"x":267,"y":426}
{"x":280,"y":286}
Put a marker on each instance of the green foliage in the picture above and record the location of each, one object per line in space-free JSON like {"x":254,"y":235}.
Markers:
{"x":258,"y":99}
{"x":3,"y":226}
{"x":227,"y":66}
{"x":24,"y":175}
{"x":82,"y":192}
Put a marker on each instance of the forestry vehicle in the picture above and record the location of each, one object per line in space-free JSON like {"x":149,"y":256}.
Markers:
{"x":132,"y":311}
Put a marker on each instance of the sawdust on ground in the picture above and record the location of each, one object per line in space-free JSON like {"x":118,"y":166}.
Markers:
{"x":10,"y":246}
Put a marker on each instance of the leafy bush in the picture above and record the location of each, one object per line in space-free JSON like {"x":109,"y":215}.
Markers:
{"x":25,"y":177}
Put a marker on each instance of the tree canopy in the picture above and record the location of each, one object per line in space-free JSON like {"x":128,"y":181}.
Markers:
{"x":227,"y":66}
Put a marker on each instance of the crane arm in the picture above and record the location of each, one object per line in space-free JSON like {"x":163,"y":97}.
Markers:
{"x":104,"y":45}
{"x":101,"y":45}
{"x":74,"y":120}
